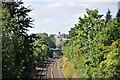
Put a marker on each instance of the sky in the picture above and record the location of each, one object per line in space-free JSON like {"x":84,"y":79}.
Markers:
{"x":52,"y":16}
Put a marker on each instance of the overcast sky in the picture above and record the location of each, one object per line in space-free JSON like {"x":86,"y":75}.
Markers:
{"x":52,"y":16}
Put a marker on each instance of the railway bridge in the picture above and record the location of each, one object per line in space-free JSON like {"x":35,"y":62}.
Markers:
{"x":56,"y":51}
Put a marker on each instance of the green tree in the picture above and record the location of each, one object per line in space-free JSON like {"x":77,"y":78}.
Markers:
{"x":108,"y":16}
{"x":42,"y":48}
{"x":17,"y":45}
{"x":96,"y":44}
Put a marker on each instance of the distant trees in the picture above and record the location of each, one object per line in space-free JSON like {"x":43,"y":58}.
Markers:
{"x":42,"y":47}
{"x":47,"y":39}
{"x":60,"y":38}
{"x":95,"y":45}
{"x":52,"y":37}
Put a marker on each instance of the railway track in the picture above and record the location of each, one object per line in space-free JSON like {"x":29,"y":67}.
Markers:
{"x":49,"y":70}
{"x":41,"y":72}
{"x":55,"y":71}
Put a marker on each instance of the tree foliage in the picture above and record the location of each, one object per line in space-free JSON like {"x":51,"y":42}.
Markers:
{"x":94,"y":46}
{"x":42,"y":48}
{"x":20,"y":51}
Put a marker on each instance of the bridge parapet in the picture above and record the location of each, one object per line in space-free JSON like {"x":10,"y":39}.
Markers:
{"x":55,"y":49}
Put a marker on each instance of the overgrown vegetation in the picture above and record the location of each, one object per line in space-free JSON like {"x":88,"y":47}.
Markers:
{"x":94,"y":48}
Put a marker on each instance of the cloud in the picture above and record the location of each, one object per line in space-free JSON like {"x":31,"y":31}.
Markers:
{"x":56,"y":7}
{"x":52,"y":26}
{"x":53,"y":8}
{"x":71,"y":0}
{"x":55,"y":25}
{"x":57,"y":16}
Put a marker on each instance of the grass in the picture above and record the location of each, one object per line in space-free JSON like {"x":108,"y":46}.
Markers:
{"x":67,"y":68}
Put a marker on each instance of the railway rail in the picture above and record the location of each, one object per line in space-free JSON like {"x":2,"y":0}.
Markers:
{"x":49,"y":70}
